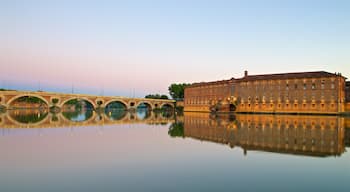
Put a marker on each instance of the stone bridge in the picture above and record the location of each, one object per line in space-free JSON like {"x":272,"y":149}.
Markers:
{"x":7,"y":98}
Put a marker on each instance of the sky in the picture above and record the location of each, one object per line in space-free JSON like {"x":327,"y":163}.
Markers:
{"x":133,"y":48}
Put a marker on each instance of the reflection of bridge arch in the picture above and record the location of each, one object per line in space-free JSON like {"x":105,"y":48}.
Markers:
{"x":27,"y":95}
{"x":87,"y":121}
{"x":147,"y":113}
{"x":110,"y":116}
{"x":118,"y":101}
{"x":96,"y":120}
{"x":27,"y":124}
{"x":78,"y":98}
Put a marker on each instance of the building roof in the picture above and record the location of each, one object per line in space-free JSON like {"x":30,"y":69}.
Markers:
{"x":300,"y":75}
{"x":277,"y":76}
{"x":209,"y":83}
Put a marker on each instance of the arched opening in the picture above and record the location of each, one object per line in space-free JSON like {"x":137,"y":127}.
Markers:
{"x":232,"y":107}
{"x":28,"y":116}
{"x":116,"y":105}
{"x":116,"y":110}
{"x":143,"y":110}
{"x":77,"y":105}
{"x":144,"y":106}
{"x":77,"y":110}
{"x":167,"y":107}
{"x":167,"y":110}
{"x":28,"y":102}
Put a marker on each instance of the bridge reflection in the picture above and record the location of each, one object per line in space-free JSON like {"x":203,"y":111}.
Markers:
{"x":301,"y":135}
{"x":43,"y":119}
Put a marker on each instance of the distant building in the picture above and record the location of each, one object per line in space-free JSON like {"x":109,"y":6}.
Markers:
{"x":306,"y":92}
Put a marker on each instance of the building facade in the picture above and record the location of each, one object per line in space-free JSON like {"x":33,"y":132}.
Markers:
{"x":306,"y":92}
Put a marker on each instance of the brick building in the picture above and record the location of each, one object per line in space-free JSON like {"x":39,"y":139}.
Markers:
{"x":306,"y":92}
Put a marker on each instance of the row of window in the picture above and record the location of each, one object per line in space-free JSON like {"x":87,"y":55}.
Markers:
{"x":291,"y":87}
{"x":287,"y":98}
{"x":287,"y":105}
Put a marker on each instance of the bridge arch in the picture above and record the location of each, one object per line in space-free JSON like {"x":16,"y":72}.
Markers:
{"x":27,"y":95}
{"x":117,"y":101}
{"x":148,"y":104}
{"x":232,"y":107}
{"x":167,"y":105}
{"x":78,"y":98}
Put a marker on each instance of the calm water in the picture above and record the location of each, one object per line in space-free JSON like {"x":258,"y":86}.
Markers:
{"x":143,"y":151}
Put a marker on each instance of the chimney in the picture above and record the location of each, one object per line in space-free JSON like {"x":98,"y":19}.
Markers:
{"x":246,"y":73}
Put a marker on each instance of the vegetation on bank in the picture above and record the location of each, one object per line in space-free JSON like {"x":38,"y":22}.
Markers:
{"x":2,"y":89}
{"x":177,"y":91}
{"x":79,"y":104}
{"x":177,"y":130}
{"x":156,"y":96}
{"x":29,"y":99}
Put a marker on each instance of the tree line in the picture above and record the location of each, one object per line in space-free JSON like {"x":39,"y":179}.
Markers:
{"x":176,"y":91}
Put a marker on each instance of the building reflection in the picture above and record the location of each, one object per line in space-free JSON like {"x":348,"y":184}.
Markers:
{"x":319,"y":136}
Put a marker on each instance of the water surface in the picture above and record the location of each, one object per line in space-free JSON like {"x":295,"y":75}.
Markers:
{"x":144,"y":151}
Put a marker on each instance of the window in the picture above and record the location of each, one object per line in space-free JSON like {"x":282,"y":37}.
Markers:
{"x":287,"y":87}
{"x":296,"y":86}
{"x":313,"y":86}
{"x":332,"y":86}
{"x":322,"y":84}
{"x":304,"y":86}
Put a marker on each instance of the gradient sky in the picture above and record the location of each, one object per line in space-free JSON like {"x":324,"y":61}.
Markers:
{"x":131,"y":48}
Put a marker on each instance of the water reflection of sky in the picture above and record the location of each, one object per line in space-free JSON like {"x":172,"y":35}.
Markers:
{"x":79,"y":117}
{"x":142,"y":113}
{"x":143,"y":157}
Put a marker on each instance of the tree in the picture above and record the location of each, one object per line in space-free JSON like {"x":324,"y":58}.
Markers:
{"x":177,"y":90}
{"x":156,"y":96}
